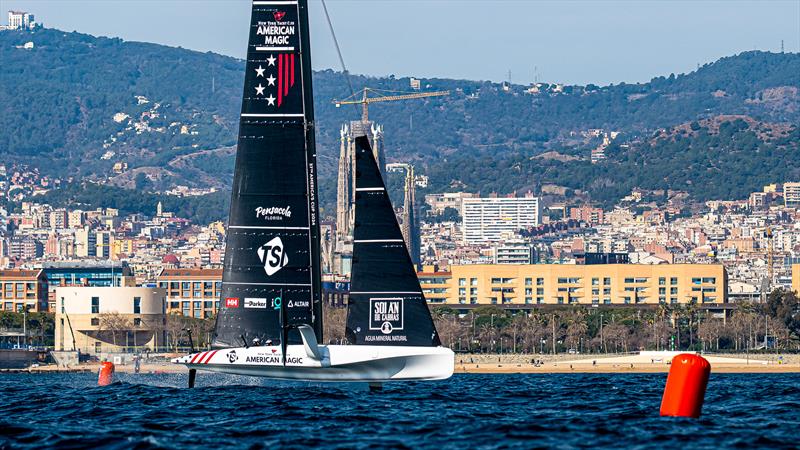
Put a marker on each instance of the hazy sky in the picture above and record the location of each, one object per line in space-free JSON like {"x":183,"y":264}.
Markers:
{"x":574,"y":42}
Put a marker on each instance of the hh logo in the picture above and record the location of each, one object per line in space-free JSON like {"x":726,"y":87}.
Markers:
{"x":273,"y":256}
{"x":232,"y":302}
{"x":278,"y":15}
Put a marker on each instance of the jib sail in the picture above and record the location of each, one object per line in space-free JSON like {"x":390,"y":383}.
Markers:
{"x":271,"y":274}
{"x":386,"y":305}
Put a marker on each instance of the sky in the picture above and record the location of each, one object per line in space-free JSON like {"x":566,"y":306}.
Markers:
{"x":571,"y":42}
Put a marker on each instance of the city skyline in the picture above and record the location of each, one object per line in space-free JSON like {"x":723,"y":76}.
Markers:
{"x":567,"y":39}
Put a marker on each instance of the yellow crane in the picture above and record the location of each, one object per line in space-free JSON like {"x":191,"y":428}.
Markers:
{"x":382,"y":96}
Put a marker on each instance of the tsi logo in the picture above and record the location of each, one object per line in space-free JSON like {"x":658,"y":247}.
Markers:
{"x":273,"y":256}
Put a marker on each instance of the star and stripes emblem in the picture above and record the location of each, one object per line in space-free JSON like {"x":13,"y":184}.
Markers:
{"x":278,"y":76}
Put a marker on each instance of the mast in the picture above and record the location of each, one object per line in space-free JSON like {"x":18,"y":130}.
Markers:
{"x":271,"y":277}
{"x":386,"y":305}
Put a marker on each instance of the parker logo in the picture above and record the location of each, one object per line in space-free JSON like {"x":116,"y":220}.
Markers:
{"x":259,"y":303}
{"x":278,"y":15}
{"x":273,"y":256}
{"x":232,"y":302}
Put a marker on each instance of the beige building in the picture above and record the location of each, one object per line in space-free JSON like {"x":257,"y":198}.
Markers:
{"x":791,"y":195}
{"x":796,"y":278}
{"x":109,"y":319}
{"x":562,"y":284}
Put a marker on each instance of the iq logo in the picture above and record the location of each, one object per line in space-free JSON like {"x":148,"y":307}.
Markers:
{"x":232,"y":302}
{"x":273,"y":256}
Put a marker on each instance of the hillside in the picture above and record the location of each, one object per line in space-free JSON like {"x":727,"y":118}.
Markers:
{"x":76,"y":105}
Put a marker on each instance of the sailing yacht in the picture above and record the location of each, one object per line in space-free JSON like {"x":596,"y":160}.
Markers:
{"x":270,"y":318}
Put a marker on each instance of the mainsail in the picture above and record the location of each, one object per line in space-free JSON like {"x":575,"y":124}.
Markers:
{"x":271,"y":276}
{"x":386,"y":305}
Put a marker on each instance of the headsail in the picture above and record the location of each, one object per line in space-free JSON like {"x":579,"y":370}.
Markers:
{"x":272,"y":247}
{"x":386,"y":305}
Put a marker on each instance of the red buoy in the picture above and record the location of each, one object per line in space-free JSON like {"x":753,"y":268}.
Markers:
{"x":686,"y":386}
{"x":106,"y":374}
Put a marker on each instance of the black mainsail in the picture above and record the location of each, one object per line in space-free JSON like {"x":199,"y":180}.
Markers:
{"x":386,"y":305}
{"x":271,"y":278}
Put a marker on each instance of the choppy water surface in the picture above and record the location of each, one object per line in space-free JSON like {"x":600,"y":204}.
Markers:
{"x":466,"y":411}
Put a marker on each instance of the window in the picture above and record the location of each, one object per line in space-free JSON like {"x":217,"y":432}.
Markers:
{"x":137,"y":305}
{"x":696,"y":280}
{"x":560,"y":300}
{"x":473,"y":281}
{"x":95,"y":305}
{"x":473,"y":300}
{"x":662,"y":299}
{"x":662,"y":281}
{"x":540,"y":281}
{"x":196,"y":305}
{"x":95,"y":322}
{"x":98,"y":347}
{"x":528,"y":281}
{"x":174,"y":285}
{"x":595,"y":291}
{"x":711,"y":280}
{"x":673,"y":300}
{"x":462,"y":292}
{"x":606,"y":300}
{"x":595,"y":281}
{"x":629,"y":280}
{"x":673,"y":291}
{"x":539,"y":291}
{"x":595,"y":301}
{"x":186,"y":286}
{"x":606,"y":291}
{"x":62,"y":306}
{"x":528,"y":300}
{"x":662,"y":291}
{"x":606,"y":280}
{"x":539,"y":300}
{"x":198,"y":314}
{"x":208,"y":305}
{"x":462,"y":281}
{"x":137,"y":322}
{"x":528,"y":291}
{"x":673,"y":280}
{"x":174,"y":305}
{"x":493,"y":300}
{"x":626,"y":300}
{"x":472,"y":291}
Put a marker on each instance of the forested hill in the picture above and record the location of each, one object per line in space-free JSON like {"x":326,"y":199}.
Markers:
{"x":75,"y":104}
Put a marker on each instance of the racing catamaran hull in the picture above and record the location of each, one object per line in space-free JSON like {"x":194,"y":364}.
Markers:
{"x":340,"y":363}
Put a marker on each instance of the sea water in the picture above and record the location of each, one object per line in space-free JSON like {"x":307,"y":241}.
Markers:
{"x":464,"y":412}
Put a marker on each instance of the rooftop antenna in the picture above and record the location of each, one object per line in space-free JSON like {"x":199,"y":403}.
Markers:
{"x":781,"y":45}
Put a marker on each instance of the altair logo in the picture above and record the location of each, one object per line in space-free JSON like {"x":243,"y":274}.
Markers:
{"x":273,"y":256}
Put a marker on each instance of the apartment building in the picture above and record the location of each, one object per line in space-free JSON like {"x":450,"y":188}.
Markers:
{"x":497,"y":218}
{"x":20,"y":289}
{"x":192,"y":292}
{"x":557,"y":284}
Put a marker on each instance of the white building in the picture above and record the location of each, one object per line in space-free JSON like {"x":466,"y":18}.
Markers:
{"x":20,"y":19}
{"x":496,"y":219}
{"x":440,"y":202}
{"x":514,"y":252}
{"x":791,"y":195}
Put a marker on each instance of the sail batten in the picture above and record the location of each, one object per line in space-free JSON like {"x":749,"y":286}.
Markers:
{"x":386,"y":304}
{"x":271,"y":277}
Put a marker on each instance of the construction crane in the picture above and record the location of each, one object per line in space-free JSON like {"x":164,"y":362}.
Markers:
{"x":382,"y":96}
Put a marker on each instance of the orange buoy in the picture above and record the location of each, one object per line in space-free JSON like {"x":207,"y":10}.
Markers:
{"x":106,"y":374}
{"x":686,"y":386}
